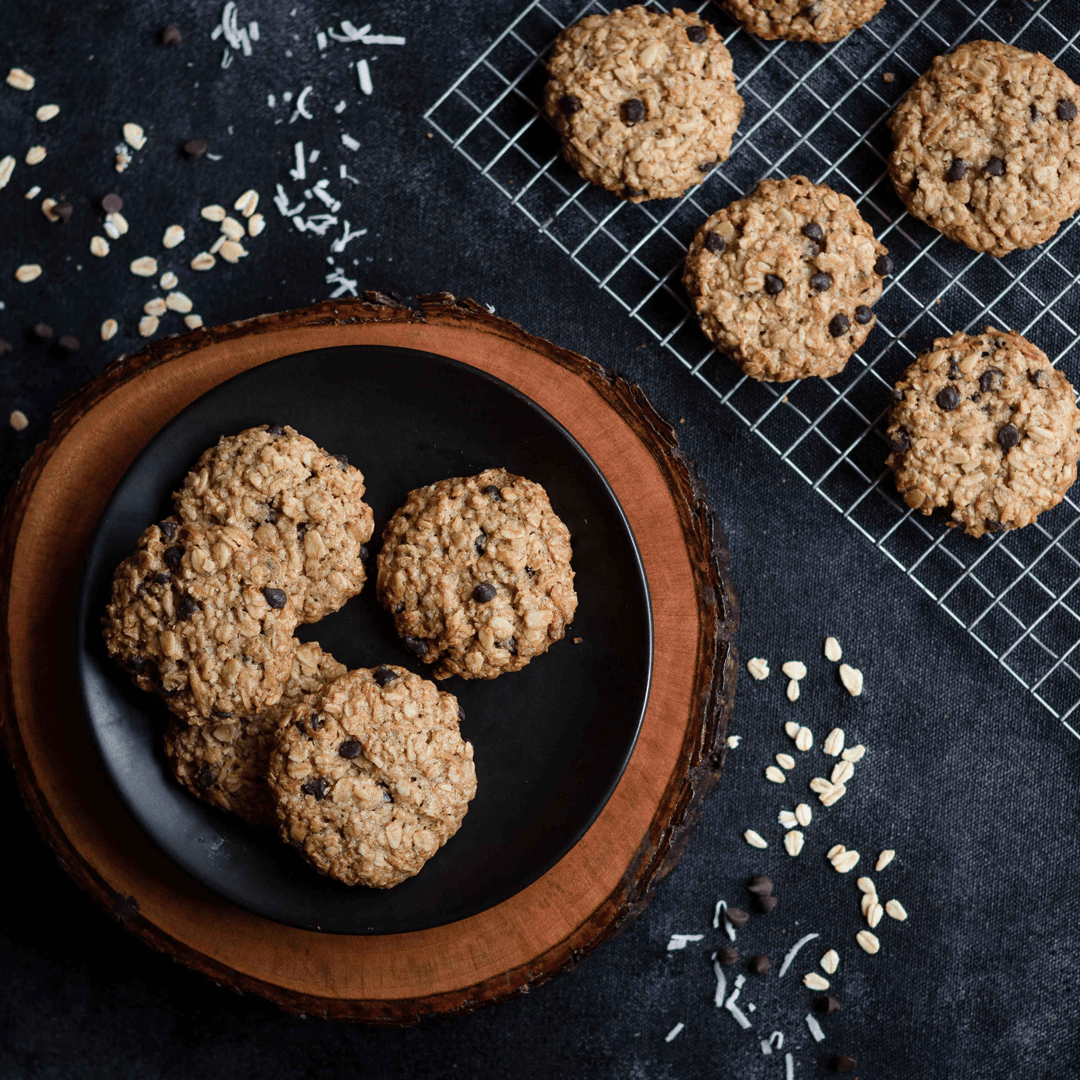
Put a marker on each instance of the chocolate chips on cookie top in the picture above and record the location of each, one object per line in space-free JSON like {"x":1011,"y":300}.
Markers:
{"x":803,"y":20}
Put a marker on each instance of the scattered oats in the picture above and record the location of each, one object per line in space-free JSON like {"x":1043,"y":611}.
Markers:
{"x":112,"y":229}
{"x":21,"y":80}
{"x":830,"y":961}
{"x":775,"y":775}
{"x":117,"y":219}
{"x":842,"y":772}
{"x":794,"y":669}
{"x":754,"y":839}
{"x":785,"y":761}
{"x":256,"y":224}
{"x":123,"y":159}
{"x":148,"y":325}
{"x":215,"y":247}
{"x":804,"y":739}
{"x":232,"y":228}
{"x":885,"y":858}
{"x":793,"y":690}
{"x":193,"y":322}
{"x":833,"y":651}
{"x":803,"y":814}
{"x":35,"y":154}
{"x":146,"y":266}
{"x":815,"y":981}
{"x":248,"y":203}
{"x":793,"y":842}
{"x":854,"y":753}
{"x":27,"y":272}
{"x":46,"y":112}
{"x":834,"y":851}
{"x":819,"y":785}
{"x":108,"y":329}
{"x":867,"y":942}
{"x":732,"y":740}
{"x":873,"y":916}
{"x":792,"y":728}
{"x":203,"y":261}
{"x":837,"y":792}
{"x":174,"y":235}
{"x":99,"y":246}
{"x":134,"y":136}
{"x":865,"y":885}
{"x":47,"y":205}
{"x":852,"y":679}
{"x":7,"y":167}
{"x":155,"y":307}
{"x":177,"y":301}
{"x":867,"y":902}
{"x":834,"y":743}
{"x":788,"y":819}
{"x":232,"y":252}
{"x":845,"y":861}
{"x":169,"y":280}
{"x":18,"y":418}
{"x":895,"y":910}
{"x":758,"y":667}
{"x":213,"y":212}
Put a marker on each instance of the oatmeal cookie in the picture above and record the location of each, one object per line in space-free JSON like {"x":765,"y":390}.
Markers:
{"x":784,"y":280}
{"x":985,"y":428}
{"x":645,"y":102}
{"x":202,"y":616}
{"x":987,"y":147}
{"x":802,"y":20}
{"x":300,"y":503}
{"x":372,"y":779}
{"x":225,"y":761}
{"x":476,"y":571}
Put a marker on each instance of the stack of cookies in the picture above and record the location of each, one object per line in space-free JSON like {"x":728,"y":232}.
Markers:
{"x":365,"y":771}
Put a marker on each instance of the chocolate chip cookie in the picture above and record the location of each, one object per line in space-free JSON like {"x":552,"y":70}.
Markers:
{"x":302,"y":504}
{"x":987,"y":147}
{"x":645,"y":102}
{"x":202,"y":616}
{"x":802,"y":20}
{"x":476,"y":571}
{"x":986,"y":429}
{"x":372,"y":779}
{"x":225,"y":761}
{"x":784,"y":281}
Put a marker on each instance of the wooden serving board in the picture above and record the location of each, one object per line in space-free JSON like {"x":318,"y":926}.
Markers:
{"x":595,"y":890}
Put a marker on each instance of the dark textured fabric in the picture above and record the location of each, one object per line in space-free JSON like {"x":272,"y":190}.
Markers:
{"x":969,"y":780}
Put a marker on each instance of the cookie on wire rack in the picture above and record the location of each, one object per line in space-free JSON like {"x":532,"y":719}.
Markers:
{"x":802,"y":20}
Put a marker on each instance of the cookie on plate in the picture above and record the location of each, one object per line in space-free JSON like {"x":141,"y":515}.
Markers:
{"x":986,"y":429}
{"x":202,"y":616}
{"x":372,"y":779}
{"x":987,"y":147}
{"x":802,"y":20}
{"x":476,"y":572}
{"x":300,"y":503}
{"x":645,"y":102}
{"x":784,"y":281}
{"x":225,"y":761}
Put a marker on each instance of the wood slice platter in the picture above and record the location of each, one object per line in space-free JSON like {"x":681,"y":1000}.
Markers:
{"x":593,"y":892}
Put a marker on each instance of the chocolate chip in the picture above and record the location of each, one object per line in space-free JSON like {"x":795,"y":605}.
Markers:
{"x":839,"y":324}
{"x":821,"y":281}
{"x":112,"y":204}
{"x":826,"y":1006}
{"x":994,"y":167}
{"x":480,"y":543}
{"x":901,"y":441}
{"x":510,"y":644}
{"x":708,"y":166}
{"x":760,"y":964}
{"x":342,"y":460}
{"x":204,"y":778}
{"x":813,"y":231}
{"x":765,"y":904}
{"x":171,"y":36}
{"x":954,"y":370}
{"x":195,"y":148}
{"x":272,"y":516}
{"x":760,"y":885}
{"x":1038,"y":378}
{"x":728,"y":955}
{"x":275,"y":429}
{"x":1066,"y":110}
{"x":956,"y":170}
{"x":492,"y":492}
{"x":168,"y":529}
{"x":569,"y":104}
{"x":484,"y":592}
{"x":173,"y":556}
{"x":884,"y":266}
{"x":363,"y":553}
{"x":715,"y":243}
{"x":162,"y":578}
{"x":301,"y":530}
{"x":186,"y":607}
{"x":842,"y":1063}
{"x":63,"y":210}
{"x":316,"y":787}
{"x":863,"y":315}
{"x":948,"y":398}
{"x":415,"y":646}
{"x":349,"y":749}
{"x":43,"y":331}
{"x":737,"y":917}
{"x":69,"y":343}
{"x":1007,"y":436}
{"x":276,"y":598}
{"x":315,"y":721}
{"x":633,"y":111}
{"x":221,"y":714}
{"x":1034,"y":113}
{"x":773,"y":284}
{"x":697,"y":34}
{"x":986,"y":379}
{"x":384,"y":675}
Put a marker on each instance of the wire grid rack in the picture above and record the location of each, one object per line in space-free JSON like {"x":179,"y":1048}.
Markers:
{"x":820,"y":111}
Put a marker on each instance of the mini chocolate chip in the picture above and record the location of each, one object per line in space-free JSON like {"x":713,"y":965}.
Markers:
{"x":760,"y":885}
{"x":760,"y":964}
{"x":948,"y":398}
{"x":186,"y":607}
{"x":708,"y":166}
{"x":315,"y":787}
{"x":633,"y":111}
{"x":399,"y":609}
{"x":715,"y":243}
{"x":728,"y":955}
{"x":956,"y":170}
{"x":994,"y":167}
{"x":569,"y":104}
{"x":272,"y":516}
{"x":484,"y":592}
{"x":342,"y":460}
{"x":842,"y":1063}
{"x":384,"y":675}
{"x":697,"y":34}
{"x":765,"y":904}
{"x":63,"y":210}
{"x":954,"y":370}
{"x":69,"y":343}
{"x":112,"y":203}
{"x":363,"y":553}
{"x":826,"y":1006}
{"x":986,"y":379}
{"x":811,"y":11}
{"x":173,"y":556}
{"x":349,"y":749}
{"x":162,"y":578}
{"x":813,"y":231}
{"x":43,"y":331}
{"x":510,"y":644}
{"x":195,"y":148}
{"x":1007,"y":436}
{"x":1066,"y":110}
{"x":415,"y":646}
{"x":276,"y":598}
{"x":737,"y":917}
{"x":480,"y":543}
{"x":884,"y":266}
{"x":171,"y":36}
{"x":1034,"y":113}
{"x":773,"y":284}
{"x":901,"y":441}
{"x":839,"y":324}
{"x":204,"y":778}
{"x":138,"y":664}
{"x":168,"y":529}
{"x":315,"y":721}
{"x":492,"y":492}
{"x":821,"y":281}
{"x":275,"y":429}
{"x":863,"y":315}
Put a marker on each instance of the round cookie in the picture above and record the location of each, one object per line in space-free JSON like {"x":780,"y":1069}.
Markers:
{"x":645,"y":102}
{"x":476,"y":571}
{"x":371,"y":780}
{"x":802,"y":20}
{"x":985,"y":428}
{"x":202,"y":616}
{"x":987,"y":147}
{"x":224,"y":762}
{"x":783,"y":281}
{"x":300,"y":503}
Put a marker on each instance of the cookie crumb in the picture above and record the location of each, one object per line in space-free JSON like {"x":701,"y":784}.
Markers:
{"x":888,"y":76}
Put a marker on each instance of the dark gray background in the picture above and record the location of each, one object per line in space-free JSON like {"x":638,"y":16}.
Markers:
{"x":966,"y":777}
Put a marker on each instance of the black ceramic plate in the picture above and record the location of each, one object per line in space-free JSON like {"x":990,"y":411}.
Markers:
{"x":551,"y":741}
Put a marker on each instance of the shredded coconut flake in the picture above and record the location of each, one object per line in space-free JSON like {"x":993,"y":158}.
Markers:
{"x":363,"y":76}
{"x":348,"y":141}
{"x":815,"y":1027}
{"x":680,"y":941}
{"x":674,"y":1032}
{"x":794,"y":951}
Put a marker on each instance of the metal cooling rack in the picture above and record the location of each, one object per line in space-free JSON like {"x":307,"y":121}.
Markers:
{"x":820,"y":111}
